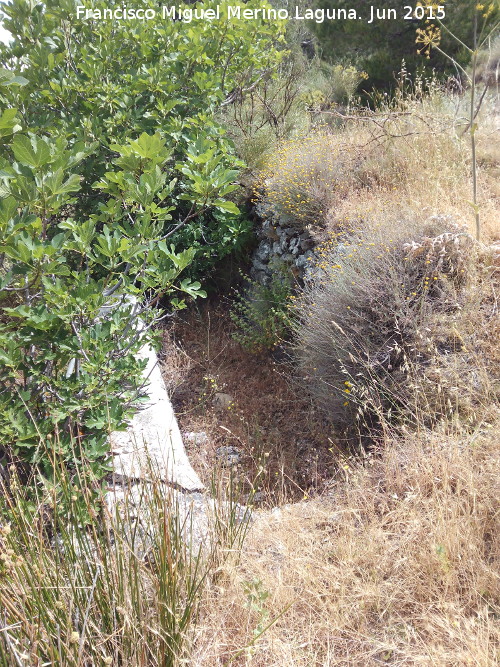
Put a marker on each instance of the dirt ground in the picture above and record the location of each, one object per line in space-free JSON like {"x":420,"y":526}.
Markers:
{"x":246,"y":401}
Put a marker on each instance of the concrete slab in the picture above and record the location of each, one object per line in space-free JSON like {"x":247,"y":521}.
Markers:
{"x":152,"y":446}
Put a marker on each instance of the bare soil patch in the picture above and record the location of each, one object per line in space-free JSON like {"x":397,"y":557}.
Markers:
{"x":285,"y":444}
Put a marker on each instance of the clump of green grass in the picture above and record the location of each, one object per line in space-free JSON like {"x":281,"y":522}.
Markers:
{"x":262,"y":313}
{"x":110,"y":591}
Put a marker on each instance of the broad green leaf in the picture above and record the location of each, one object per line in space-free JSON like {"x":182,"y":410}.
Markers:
{"x":30,"y":152}
{"x":9,"y":78}
{"x":227,"y":206}
{"x":72,"y":184}
{"x":9,"y":123}
{"x":8,"y":209}
{"x":146,"y":146}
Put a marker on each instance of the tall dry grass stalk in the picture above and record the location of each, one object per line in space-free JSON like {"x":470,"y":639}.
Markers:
{"x":124,"y":589}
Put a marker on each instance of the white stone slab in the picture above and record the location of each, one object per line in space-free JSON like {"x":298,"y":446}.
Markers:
{"x":152,"y":446}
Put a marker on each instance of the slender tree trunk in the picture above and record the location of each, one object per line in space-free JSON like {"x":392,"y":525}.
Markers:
{"x":473,"y":133}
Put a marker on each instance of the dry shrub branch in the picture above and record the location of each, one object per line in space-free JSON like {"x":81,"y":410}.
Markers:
{"x":385,"y":333}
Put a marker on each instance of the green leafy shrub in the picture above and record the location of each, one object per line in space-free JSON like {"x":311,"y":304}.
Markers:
{"x":262,"y":312}
{"x":101,"y":213}
{"x":385,"y":334}
{"x":159,"y":77}
{"x":72,"y":292}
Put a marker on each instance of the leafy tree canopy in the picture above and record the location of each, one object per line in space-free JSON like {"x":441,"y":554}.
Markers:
{"x":102,"y":82}
{"x":380,"y":47}
{"x":115,"y":191}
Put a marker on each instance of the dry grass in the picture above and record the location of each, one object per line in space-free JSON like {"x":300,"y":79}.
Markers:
{"x":397,"y":561}
{"x":391,"y":328}
{"x":414,"y":157}
{"x":398,"y":565}
{"x":124,"y":590}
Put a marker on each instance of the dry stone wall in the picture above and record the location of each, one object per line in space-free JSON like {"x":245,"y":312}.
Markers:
{"x":282,"y":245}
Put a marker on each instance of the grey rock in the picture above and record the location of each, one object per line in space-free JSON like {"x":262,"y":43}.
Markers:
{"x":263,"y":251}
{"x":222,"y":400}
{"x":283,"y":242}
{"x":261,"y":277}
{"x":269,"y":231}
{"x":228,"y":456}
{"x":306,"y":244}
{"x":266,"y":280}
{"x":306,"y":260}
{"x":196,"y":437}
{"x":259,"y":266}
{"x":300,"y":262}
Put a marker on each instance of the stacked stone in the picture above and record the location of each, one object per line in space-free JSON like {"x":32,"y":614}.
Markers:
{"x":280,"y":245}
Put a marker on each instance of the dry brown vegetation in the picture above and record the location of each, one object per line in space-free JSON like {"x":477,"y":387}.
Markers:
{"x":284,"y":439}
{"x":409,"y":157}
{"x":397,"y":565}
{"x":389,"y":329}
{"x":394,"y":557}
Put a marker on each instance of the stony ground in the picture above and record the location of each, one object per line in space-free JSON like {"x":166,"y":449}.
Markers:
{"x":244,"y":412}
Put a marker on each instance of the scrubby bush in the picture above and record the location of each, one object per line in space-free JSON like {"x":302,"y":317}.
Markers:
{"x":385,"y":332}
{"x":287,"y":104}
{"x":332,"y":85}
{"x":488,"y":63}
{"x":304,"y":180}
{"x":412,"y":152}
{"x":262,"y":313}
